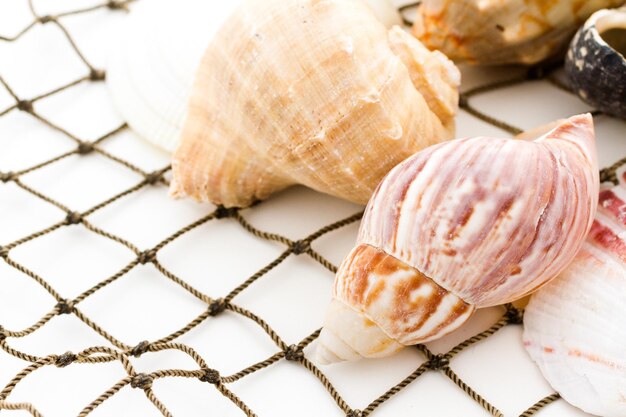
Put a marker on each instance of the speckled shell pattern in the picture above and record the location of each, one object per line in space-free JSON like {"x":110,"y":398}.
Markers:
{"x":461,"y":225}
{"x":494,"y":32}
{"x":574,"y":327}
{"x":309,"y":92}
{"x":597,"y":71}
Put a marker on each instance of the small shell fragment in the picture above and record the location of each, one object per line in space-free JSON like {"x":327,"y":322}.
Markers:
{"x":574,"y":327}
{"x":596,"y":62}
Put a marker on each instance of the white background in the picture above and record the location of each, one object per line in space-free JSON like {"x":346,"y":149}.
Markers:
{"x":214,"y":258}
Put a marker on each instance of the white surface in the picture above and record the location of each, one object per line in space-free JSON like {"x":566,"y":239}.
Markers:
{"x":214,"y":258}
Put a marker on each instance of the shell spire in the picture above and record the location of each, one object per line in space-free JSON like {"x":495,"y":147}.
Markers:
{"x":461,"y":225}
{"x":307,"y":92}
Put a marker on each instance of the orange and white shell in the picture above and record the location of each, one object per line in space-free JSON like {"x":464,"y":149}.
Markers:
{"x":574,"y":327}
{"x":502,"y":31}
{"x":462,"y":225}
{"x":308,"y":92}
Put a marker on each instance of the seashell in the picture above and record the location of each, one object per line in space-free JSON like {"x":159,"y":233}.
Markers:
{"x":307,"y":92}
{"x":151,"y":65}
{"x":461,"y":225}
{"x":574,"y":327}
{"x":494,"y":32}
{"x":596,"y":62}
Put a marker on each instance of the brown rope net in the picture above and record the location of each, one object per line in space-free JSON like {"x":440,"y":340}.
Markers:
{"x":120,"y":351}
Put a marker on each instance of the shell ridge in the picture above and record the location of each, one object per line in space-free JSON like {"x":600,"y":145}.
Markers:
{"x":364,"y":299}
{"x":356,"y":107}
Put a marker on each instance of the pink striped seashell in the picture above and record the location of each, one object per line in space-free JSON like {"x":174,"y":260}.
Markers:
{"x":461,"y":225}
{"x":574,"y":327}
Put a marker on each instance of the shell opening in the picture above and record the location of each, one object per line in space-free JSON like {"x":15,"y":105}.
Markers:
{"x":612,"y":29}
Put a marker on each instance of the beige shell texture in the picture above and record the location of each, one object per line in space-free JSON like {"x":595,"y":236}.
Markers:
{"x":309,"y":92}
{"x":154,"y":57}
{"x":489,"y":32}
{"x":462,"y":225}
{"x":574,"y":327}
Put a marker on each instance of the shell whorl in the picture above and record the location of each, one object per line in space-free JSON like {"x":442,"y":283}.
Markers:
{"x":489,"y":219}
{"x":466,"y":224}
{"x":311,"y":92}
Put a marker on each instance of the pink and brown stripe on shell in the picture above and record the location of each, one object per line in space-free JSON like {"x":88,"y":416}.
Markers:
{"x":465,"y":224}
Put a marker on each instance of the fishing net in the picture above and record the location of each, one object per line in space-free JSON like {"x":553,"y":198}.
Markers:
{"x":207,"y":370}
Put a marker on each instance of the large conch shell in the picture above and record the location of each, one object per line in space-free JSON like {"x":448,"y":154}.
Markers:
{"x":502,"y":31}
{"x":574,"y":327}
{"x":154,"y":58}
{"x":462,"y":225}
{"x":309,"y":92}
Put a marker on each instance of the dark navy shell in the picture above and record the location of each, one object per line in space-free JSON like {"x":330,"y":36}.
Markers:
{"x":597,"y":71}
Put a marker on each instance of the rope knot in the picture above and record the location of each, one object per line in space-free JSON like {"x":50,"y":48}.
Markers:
{"x":25,"y":105}
{"x":300,"y":247}
{"x":3,"y":334}
{"x":73,"y":217}
{"x":294,"y":353}
{"x":437,"y":362}
{"x":147,"y":256}
{"x":222,"y":212}
{"x":153,"y":177}
{"x":141,"y":381}
{"x":463,"y":101}
{"x":514,"y":315}
{"x":140,"y":349}
{"x":65,"y":307}
{"x":212,"y":376}
{"x":4,"y":252}
{"x":7,"y":176}
{"x":354,"y":413}
{"x":47,"y":19}
{"x":97,"y":74}
{"x":65,"y":359}
{"x":84,"y":148}
{"x":217,"y":307}
{"x":117,"y":5}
